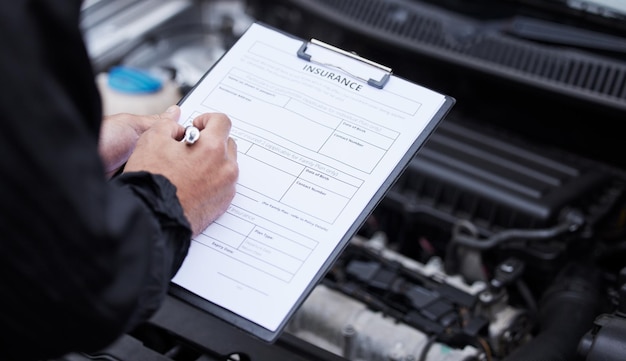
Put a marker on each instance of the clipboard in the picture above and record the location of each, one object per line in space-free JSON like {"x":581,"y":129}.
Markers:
{"x":380,"y":83}
{"x":322,"y":135}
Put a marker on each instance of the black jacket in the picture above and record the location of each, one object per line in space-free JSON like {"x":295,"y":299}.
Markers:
{"x":82,"y":259}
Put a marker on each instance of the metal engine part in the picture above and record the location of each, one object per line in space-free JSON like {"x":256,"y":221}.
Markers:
{"x":450,"y":319}
{"x":348,"y":328}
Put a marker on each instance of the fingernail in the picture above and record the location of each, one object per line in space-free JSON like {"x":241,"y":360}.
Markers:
{"x":171,"y":109}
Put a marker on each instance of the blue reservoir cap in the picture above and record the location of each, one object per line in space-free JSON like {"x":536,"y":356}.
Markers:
{"x":134,"y":81}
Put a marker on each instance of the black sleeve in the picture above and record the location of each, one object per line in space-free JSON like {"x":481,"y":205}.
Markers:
{"x":82,"y":259}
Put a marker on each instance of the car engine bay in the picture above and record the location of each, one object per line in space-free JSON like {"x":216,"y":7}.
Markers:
{"x":504,"y":239}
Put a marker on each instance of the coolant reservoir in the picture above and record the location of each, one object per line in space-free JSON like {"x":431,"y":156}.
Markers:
{"x":136,"y":91}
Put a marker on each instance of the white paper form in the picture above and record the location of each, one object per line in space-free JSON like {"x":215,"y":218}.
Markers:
{"x":314,"y":146}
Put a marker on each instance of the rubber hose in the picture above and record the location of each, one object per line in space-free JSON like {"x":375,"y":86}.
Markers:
{"x":567,"y":311}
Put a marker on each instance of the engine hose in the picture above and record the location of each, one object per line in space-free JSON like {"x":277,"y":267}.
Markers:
{"x":571,"y":220}
{"x":567,"y":311}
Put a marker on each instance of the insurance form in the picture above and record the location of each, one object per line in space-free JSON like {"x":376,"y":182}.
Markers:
{"x":318,"y":146}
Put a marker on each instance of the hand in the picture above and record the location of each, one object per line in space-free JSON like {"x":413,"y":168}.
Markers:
{"x":119,"y":134}
{"x":204,"y":173}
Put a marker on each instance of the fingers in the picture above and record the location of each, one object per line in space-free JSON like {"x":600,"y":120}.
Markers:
{"x":217,"y":124}
{"x":172,"y":113}
{"x":166,"y":128}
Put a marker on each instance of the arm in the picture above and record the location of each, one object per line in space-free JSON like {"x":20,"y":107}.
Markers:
{"x":84,"y":259}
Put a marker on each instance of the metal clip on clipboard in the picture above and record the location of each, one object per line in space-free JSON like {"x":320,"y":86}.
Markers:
{"x":373,"y":82}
